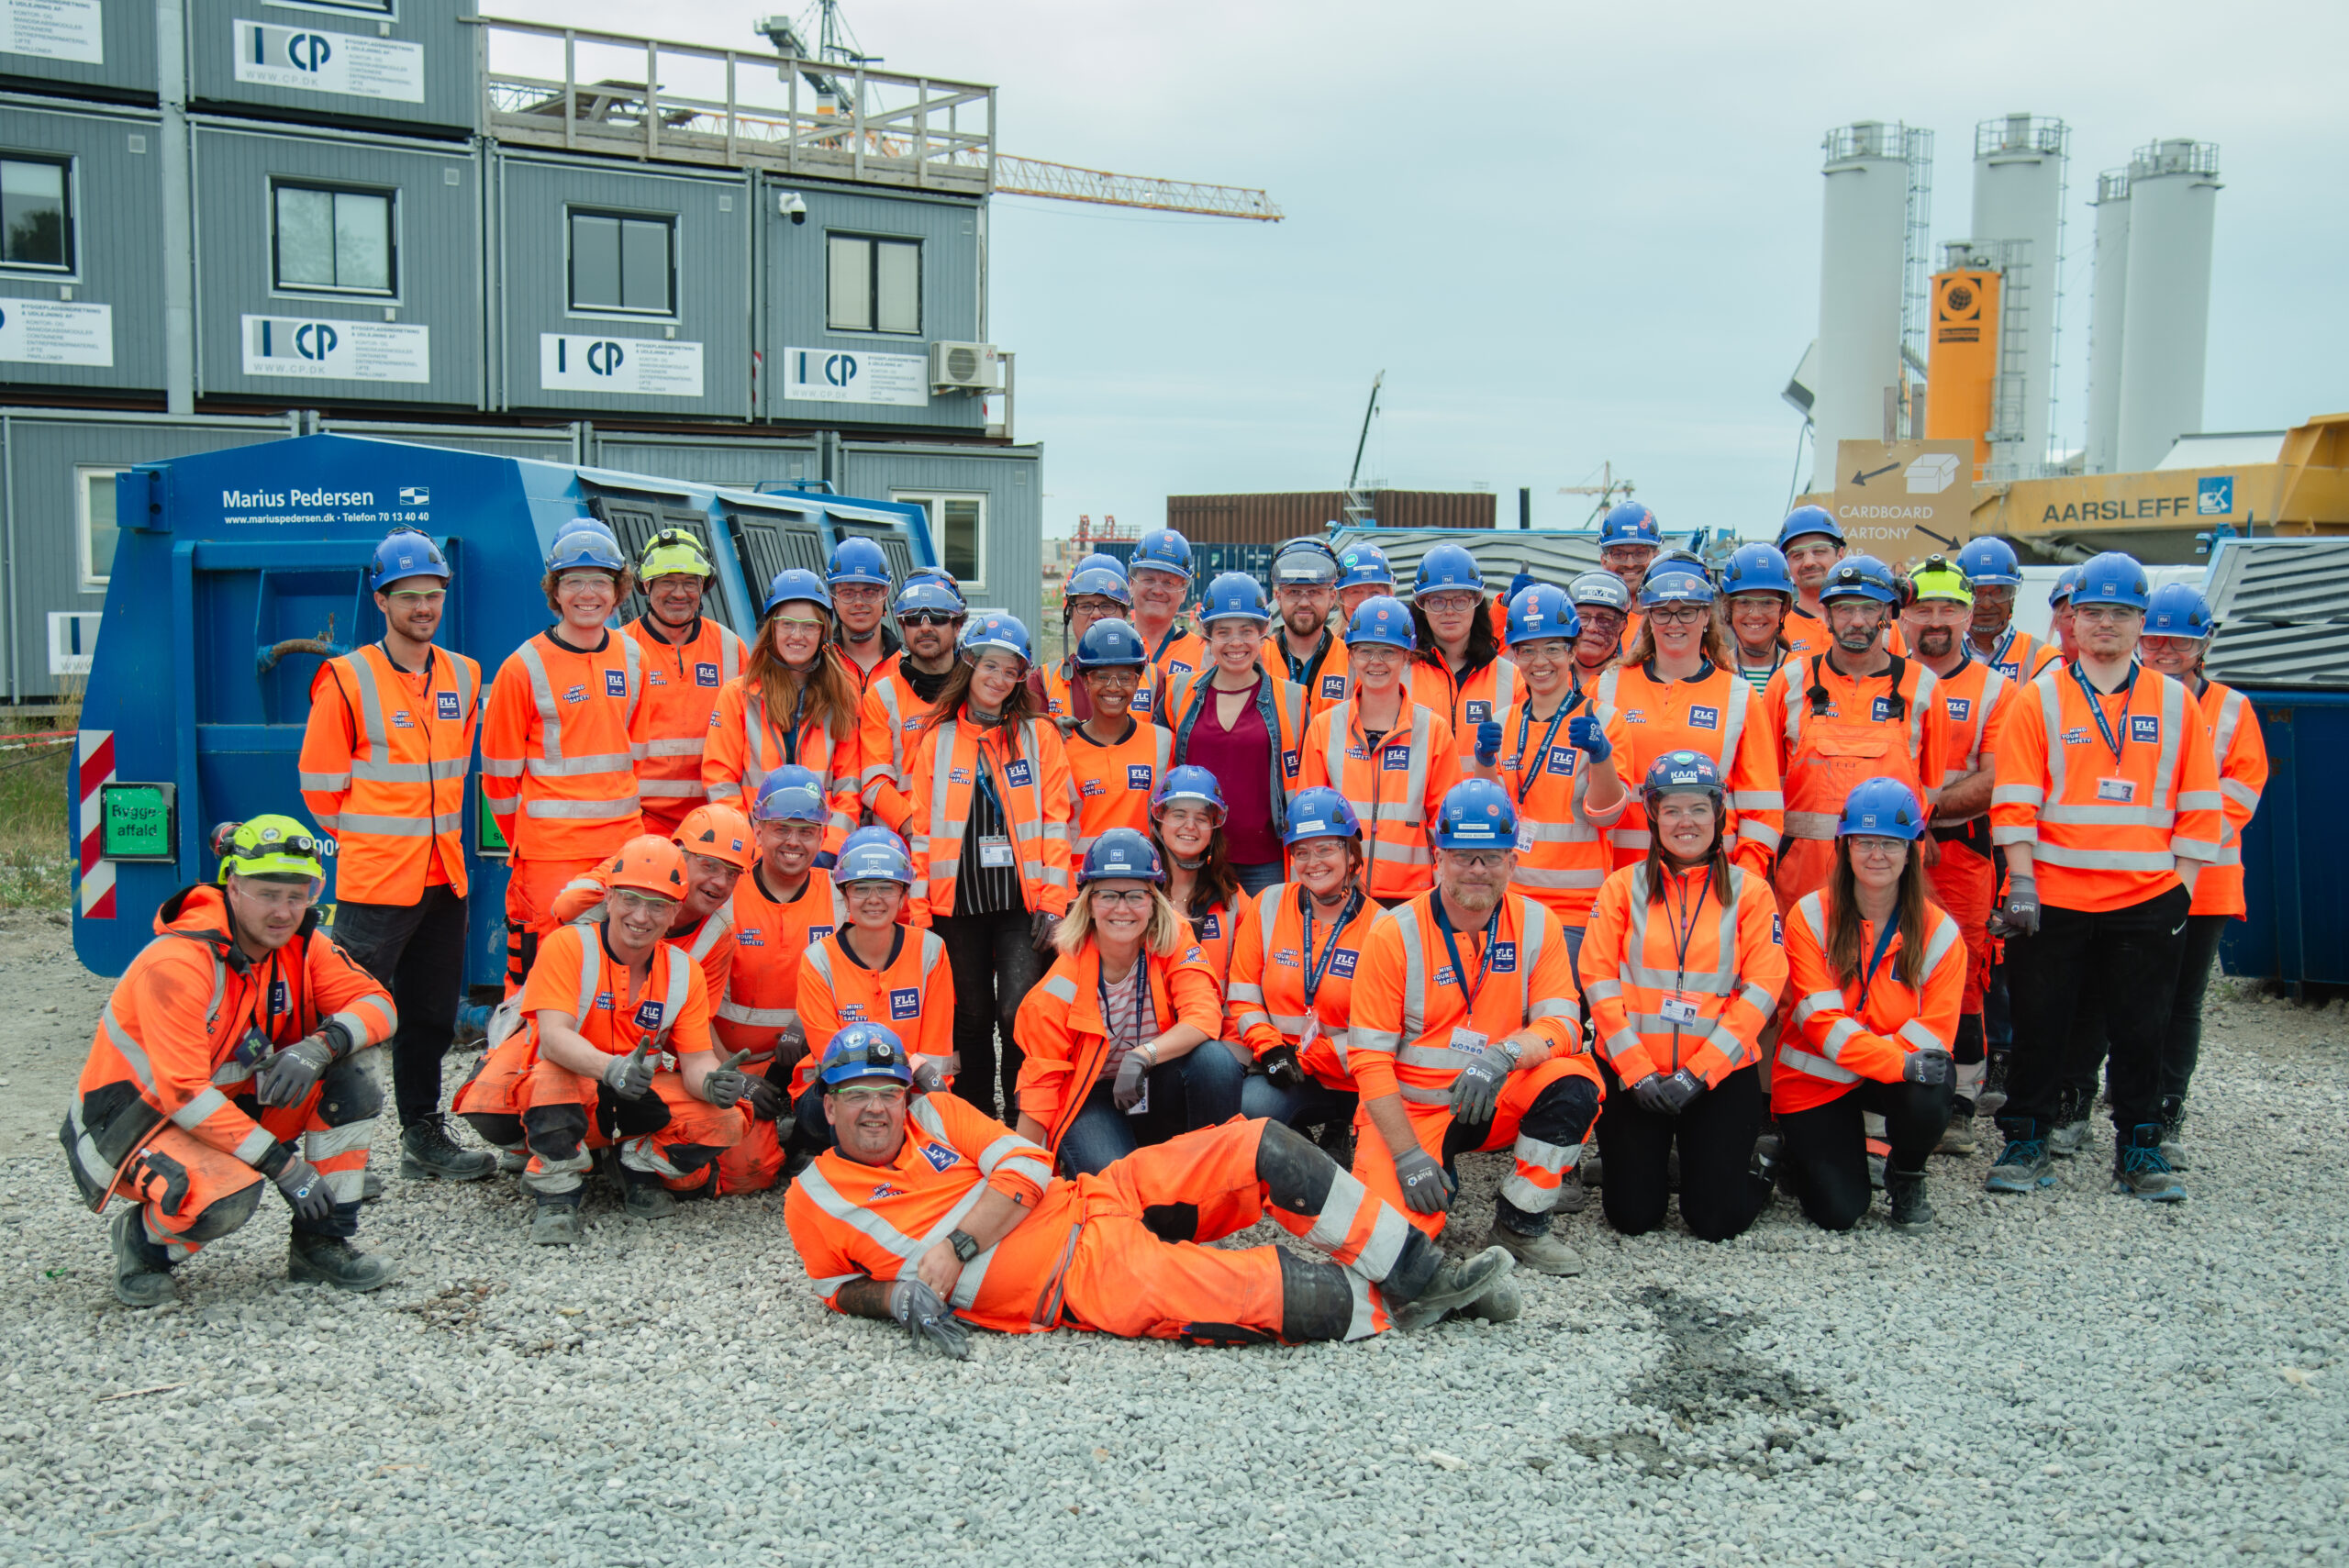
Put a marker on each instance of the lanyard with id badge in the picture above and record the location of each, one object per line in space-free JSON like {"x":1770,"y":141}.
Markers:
{"x":1318,"y":969}
{"x":995,"y":849}
{"x":2115,"y":790}
{"x":1530,"y":764}
{"x":1145,"y":1024}
{"x":1465,"y":1040}
{"x":1679,"y":1007}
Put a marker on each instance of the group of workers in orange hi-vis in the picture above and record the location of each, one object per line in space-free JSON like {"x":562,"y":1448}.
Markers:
{"x":1030,"y":979}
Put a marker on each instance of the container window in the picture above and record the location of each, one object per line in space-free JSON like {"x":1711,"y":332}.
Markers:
{"x":36,"y":216}
{"x":619,"y":262}
{"x":958,"y":527}
{"x":875,"y":285}
{"x":95,"y":529}
{"x":338,"y":239}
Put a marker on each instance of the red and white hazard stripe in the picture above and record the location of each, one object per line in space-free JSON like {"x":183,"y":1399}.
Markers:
{"x":95,"y":757}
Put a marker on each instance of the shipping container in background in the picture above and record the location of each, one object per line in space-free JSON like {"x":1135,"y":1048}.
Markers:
{"x":1271,"y":517}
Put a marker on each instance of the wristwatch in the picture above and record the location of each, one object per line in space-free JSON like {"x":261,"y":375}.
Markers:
{"x":1512,"y":1048}
{"x":965,"y":1245}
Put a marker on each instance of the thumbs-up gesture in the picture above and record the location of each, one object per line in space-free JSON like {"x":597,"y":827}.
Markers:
{"x":1587,"y":735}
{"x":630,"y":1077}
{"x":726,"y":1083}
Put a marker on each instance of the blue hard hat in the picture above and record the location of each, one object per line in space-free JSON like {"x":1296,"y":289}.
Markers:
{"x":1541,"y":611}
{"x":1121,"y":853}
{"x":2060,"y":591}
{"x":1109,"y":643}
{"x":870,"y":862}
{"x":2178,"y":609}
{"x":1628,"y":522}
{"x":404,"y":552}
{"x":939,"y":575}
{"x":1860,"y":577}
{"x":927,"y":593}
{"x":1234,"y":596}
{"x":1189,"y":782}
{"x":1102,"y":558}
{"x":1602,"y":588}
{"x":1675,"y":582}
{"x":874,"y":834}
{"x":996,"y":630}
{"x":864,"y":1051}
{"x":1990,"y":560}
{"x":582,"y":523}
{"x":1382,"y":619}
{"x":1477,"y":814}
{"x":796,"y":583}
{"x":1757,"y":568}
{"x":1162,"y":549}
{"x":1102,"y":581}
{"x":1304,"y":561}
{"x":1682,"y":772}
{"x":2111,"y":578}
{"x":1448,"y":568}
{"x":1882,"y":808}
{"x":1320,"y":813}
{"x":857,"y":560}
{"x":1808,"y":520}
{"x":1360,"y":565}
{"x":792,"y":794}
{"x":585,"y":549}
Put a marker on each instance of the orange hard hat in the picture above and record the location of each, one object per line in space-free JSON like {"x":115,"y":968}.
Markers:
{"x":648,"y":864}
{"x":718,"y":832}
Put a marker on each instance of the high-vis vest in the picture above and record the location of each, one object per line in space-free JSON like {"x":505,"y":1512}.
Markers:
{"x":1323,"y":675}
{"x":914,"y":996}
{"x":1034,"y":789}
{"x":746,"y":745}
{"x":682,"y":680}
{"x":1061,"y":1028}
{"x":1806,"y":634}
{"x":1723,"y":987}
{"x":1178,"y":651}
{"x":2242,"y":754}
{"x":382,"y":768}
{"x":762,"y":995}
{"x":1220,"y":932}
{"x":1843,"y":1032}
{"x":1280,"y":704}
{"x":1974,"y":699}
{"x":2020,"y":657}
{"x":1484,"y":694}
{"x":1396,"y":793}
{"x":559,"y":748}
{"x":1835,"y":731}
{"x":2105,"y":832}
{"x":890,"y":719}
{"x":1714,"y":712}
{"x":1266,"y":992}
{"x":1109,"y":786}
{"x":576,"y":975}
{"x":709,"y":943}
{"x":1563,"y":855}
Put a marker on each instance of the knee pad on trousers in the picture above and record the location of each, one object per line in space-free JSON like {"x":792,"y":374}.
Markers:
{"x":555,"y":1132}
{"x":634,"y":1119}
{"x":1317,"y":1299}
{"x":348,"y":1093}
{"x":1562,"y":1113}
{"x":224,"y":1215}
{"x":1968,"y":1048}
{"x":1297,"y":1174}
{"x":501,"y":1129}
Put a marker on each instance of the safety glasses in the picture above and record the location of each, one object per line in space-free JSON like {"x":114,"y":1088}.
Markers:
{"x":928,"y":617}
{"x":858,"y":1094}
{"x":1130,"y":898}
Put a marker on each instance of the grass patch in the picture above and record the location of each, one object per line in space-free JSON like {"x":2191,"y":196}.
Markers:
{"x":36,"y":859}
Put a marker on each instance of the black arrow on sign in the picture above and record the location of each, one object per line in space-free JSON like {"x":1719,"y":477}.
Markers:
{"x":1938,"y":538}
{"x":1859,"y":478}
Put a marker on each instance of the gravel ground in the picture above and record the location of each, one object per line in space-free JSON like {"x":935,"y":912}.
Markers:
{"x":2076,"y":1378}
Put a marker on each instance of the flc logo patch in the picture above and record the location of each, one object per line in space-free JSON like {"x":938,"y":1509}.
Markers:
{"x":1504,"y":958}
{"x":446,"y":703}
{"x":905,"y":1002}
{"x":1880,"y":709}
{"x":1704,"y":718}
{"x":817,"y":934}
{"x":1210,"y":928}
{"x":1562,"y":760}
{"x":1960,"y":709}
{"x":280,"y":998}
{"x":1476,"y":712}
{"x":940,"y":1158}
{"x":2146,"y":728}
{"x":1291,"y":762}
{"x":616,"y":683}
{"x":1019,"y":773}
{"x":1341,"y":963}
{"x":648,"y":1013}
{"x":1139,"y":775}
{"x":706,"y":673}
{"x":1334,"y":686}
{"x":1395,"y":759}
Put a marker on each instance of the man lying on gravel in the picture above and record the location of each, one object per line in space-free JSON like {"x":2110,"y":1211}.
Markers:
{"x":957,"y":1217}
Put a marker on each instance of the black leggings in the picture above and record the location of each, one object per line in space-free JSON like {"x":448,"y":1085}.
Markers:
{"x":1826,"y":1146}
{"x":994,"y":962}
{"x":1719,"y":1195}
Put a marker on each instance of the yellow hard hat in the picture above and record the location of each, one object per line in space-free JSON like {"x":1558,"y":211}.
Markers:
{"x":670,"y":551}
{"x":1935,"y":578}
{"x":269,"y":846}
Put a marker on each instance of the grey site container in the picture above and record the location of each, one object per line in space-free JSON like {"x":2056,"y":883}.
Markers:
{"x":113,"y":184}
{"x":404,"y":63}
{"x":1553,"y":556}
{"x":1007,"y":480}
{"x":123,"y":40}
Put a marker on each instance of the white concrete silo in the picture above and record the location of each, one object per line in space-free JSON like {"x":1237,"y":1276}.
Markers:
{"x":2165,"y":317}
{"x":2105,"y":316}
{"x":2019,"y":181}
{"x":1864,"y":243}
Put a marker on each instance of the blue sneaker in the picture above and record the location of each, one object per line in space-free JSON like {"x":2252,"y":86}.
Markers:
{"x":2140,"y":1169}
{"x":2024,"y":1166}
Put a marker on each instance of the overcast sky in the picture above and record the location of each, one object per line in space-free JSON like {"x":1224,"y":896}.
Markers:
{"x":1567,"y":233}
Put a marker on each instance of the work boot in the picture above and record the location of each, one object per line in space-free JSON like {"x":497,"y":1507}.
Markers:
{"x":1958,"y":1137}
{"x":1994,"y":1084}
{"x":329,"y":1260}
{"x":1537,"y":1250}
{"x":513,"y":1162}
{"x":1501,"y":1303}
{"x":1592,"y":1171}
{"x":2174,"y":1131}
{"x":557,"y":1223}
{"x":1573,"y":1197}
{"x":1906,"y":1189}
{"x":142,"y":1271}
{"x":2138,"y":1170}
{"x":2070,"y":1134}
{"x":643,"y":1196}
{"x":1458,"y":1283}
{"x":2024,"y":1165}
{"x":371,"y":1186}
{"x":427,"y":1150}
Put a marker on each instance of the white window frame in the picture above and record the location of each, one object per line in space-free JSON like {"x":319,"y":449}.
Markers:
{"x":85,"y":573}
{"x":872,"y":284}
{"x":928,"y":500}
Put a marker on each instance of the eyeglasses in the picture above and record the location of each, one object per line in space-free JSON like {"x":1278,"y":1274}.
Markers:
{"x":1447,"y":603}
{"x":416,"y":598}
{"x":863,"y":592}
{"x":1116,"y":677}
{"x":1879,"y":849}
{"x":795,"y":623}
{"x":1684,"y":615}
{"x":270,"y":897}
{"x":873,"y":889}
{"x":1478,"y":860}
{"x":625,"y":902}
{"x":880,"y":1095}
{"x":2107,"y":614}
{"x":571,"y":580}
{"x":929,"y":618}
{"x":1131,"y":898}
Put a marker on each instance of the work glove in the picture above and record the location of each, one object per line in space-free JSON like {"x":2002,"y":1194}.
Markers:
{"x":1680,"y":1090}
{"x":1930,"y":1068}
{"x":1127,"y":1091}
{"x":1648,"y":1094}
{"x":1426,"y":1187}
{"x":1488,"y":742}
{"x":1587,"y":735}
{"x":1475,"y":1089}
{"x":2020,"y":914}
{"x":1282,"y":1069}
{"x":725,"y":1084}
{"x":1041,"y":926}
{"x":790,"y":1045}
{"x":305,"y":1187}
{"x":630,"y":1077}
{"x":289,"y":1075}
{"x":926,"y":1320}
{"x":766,"y":1100}
{"x":927,"y":1078}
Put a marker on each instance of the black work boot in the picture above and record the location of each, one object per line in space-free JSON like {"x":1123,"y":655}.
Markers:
{"x":1905,"y":1191}
{"x":329,"y":1260}
{"x":643,"y":1197}
{"x":427,"y":1150}
{"x":2172,"y":1111}
{"x":1994,"y":1084}
{"x":142,"y":1271}
{"x":557,"y":1222}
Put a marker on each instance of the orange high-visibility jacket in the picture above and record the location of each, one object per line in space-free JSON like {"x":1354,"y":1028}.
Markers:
{"x":2242,"y":754}
{"x":682,"y":680}
{"x":890,"y":720}
{"x":709,"y":942}
{"x":1323,"y":676}
{"x":1061,"y":1028}
{"x":2020,"y":657}
{"x":851,"y":1221}
{"x":762,"y":995}
{"x":1487,"y":692}
{"x":1034,"y":789}
{"x":1220,"y":932}
{"x":560,"y":742}
{"x":1056,"y":684}
{"x":746,"y":744}
{"x":1266,"y":992}
{"x":1834,"y":730}
{"x":1735,"y":969}
{"x":1408,"y":1000}
{"x":2105,"y":833}
{"x":384,"y":755}
{"x":1562,"y":854}
{"x":1975,"y":699}
{"x":1845,"y":1032}
{"x":576,"y":974}
{"x":1109,"y":786}
{"x":1181,"y":651}
{"x":171,"y":1042}
{"x":1396,"y":793}
{"x":1806,"y":634}
{"x":1283,"y":701}
{"x":913,"y":994}
{"x":1714,"y":712}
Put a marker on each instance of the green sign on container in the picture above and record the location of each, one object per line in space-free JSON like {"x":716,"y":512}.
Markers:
{"x":138,"y":821}
{"x":492,"y":843}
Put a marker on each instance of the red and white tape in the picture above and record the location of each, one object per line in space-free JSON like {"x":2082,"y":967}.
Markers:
{"x":95,"y":756}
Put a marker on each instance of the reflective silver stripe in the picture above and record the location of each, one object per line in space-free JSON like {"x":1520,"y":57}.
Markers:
{"x":1795,"y":705}
{"x":1754,"y":996}
{"x":820,"y":1191}
{"x":683,"y":746}
{"x":1928,"y":686}
{"x":1813,"y":909}
{"x":1938,"y":942}
{"x":733,"y":1012}
{"x":327,"y":1142}
{"x":584,"y":810}
{"x":1062,"y":988}
{"x":1425,"y":1096}
{"x":2201,"y":799}
{"x":1240,"y":991}
{"x":255,"y":1144}
{"x":1415,"y":977}
{"x":1535,"y":877}
{"x":1757,"y":799}
{"x":1336,"y":1221}
{"x":130,"y":1049}
{"x":1810,"y":825}
{"x":386,"y":827}
{"x":1844,"y":1031}
{"x":2192,"y":848}
{"x":2165,"y":767}
{"x":1813,"y":1004}
{"x":717,"y":927}
{"x":1602,"y":990}
{"x":1801,"y":1060}
{"x":1384,"y":1041}
{"x":324,"y":784}
{"x":1568,"y":832}
{"x":672,"y":789}
{"x":2105,"y":859}
{"x":2003,"y":835}
{"x":502,"y":767}
{"x":2242,"y":793}
{"x":191,"y":1115}
{"x":1388,"y":1235}
{"x":2017,"y":795}
{"x":1915,"y":1032}
{"x":830,"y":1286}
{"x":1526,"y":1194}
{"x":579,"y":767}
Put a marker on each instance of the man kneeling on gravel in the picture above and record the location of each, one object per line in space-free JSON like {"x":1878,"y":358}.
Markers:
{"x":931,"y":1211}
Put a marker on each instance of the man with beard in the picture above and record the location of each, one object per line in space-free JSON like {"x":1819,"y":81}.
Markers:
{"x":687,"y":657}
{"x":1992,"y":637}
{"x":898,"y":696}
{"x":1305,"y":585}
{"x":858,"y":575}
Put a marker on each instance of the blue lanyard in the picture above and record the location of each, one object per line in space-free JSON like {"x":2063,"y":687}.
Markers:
{"x":1882,"y":945}
{"x":1527,"y":772}
{"x":2096,"y":706}
{"x":798,"y":711}
{"x":1483,"y":959}
{"x":1684,"y":931}
{"x":1316,"y":968}
{"x":1145,"y":1011}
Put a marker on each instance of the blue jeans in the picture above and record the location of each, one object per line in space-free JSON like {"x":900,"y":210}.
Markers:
{"x":1192,"y":1091}
{"x":1257,"y":875}
{"x":1310,"y":1103}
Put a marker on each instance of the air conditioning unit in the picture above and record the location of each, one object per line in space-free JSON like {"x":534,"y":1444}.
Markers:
{"x":965,"y":367}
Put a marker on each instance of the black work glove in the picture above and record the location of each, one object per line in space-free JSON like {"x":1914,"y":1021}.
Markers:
{"x":1649,"y":1096}
{"x":2020,"y":914}
{"x":929,"y":1078}
{"x":1475,"y":1089}
{"x":305,"y":1187}
{"x":289,"y":1075}
{"x":1426,"y":1187}
{"x":926,"y":1320}
{"x":1930,"y":1068}
{"x":1680,"y":1090}
{"x":630,"y":1077}
{"x":1282,"y":1068}
{"x":766,"y":1100}
{"x":1041,"y":926}
{"x":725,"y":1084}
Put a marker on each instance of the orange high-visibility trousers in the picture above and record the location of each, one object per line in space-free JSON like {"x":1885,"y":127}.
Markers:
{"x":754,"y":1161}
{"x":1541,"y":1166}
{"x":668,"y":1133}
{"x":1966,"y":884}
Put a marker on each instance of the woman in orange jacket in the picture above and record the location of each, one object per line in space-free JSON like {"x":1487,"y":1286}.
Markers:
{"x":1880,"y":977}
{"x":1121,"y":1037}
{"x":1681,"y":968}
{"x":795,"y":703}
{"x":1187,"y":818}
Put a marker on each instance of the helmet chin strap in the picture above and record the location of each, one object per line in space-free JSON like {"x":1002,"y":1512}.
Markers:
{"x":1191,"y":863}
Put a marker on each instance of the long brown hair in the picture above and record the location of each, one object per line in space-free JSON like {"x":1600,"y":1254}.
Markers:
{"x":1717,"y":645}
{"x":1017,"y":708}
{"x":1716,"y":860}
{"x":1214,"y":882}
{"x":1843,"y":952}
{"x":1484,"y":646}
{"x":831,"y":694}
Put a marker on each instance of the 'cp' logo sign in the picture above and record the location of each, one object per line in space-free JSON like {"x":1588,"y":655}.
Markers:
{"x":307,"y":51}
{"x":314,"y":339}
{"x":840,"y":369}
{"x":605,"y":358}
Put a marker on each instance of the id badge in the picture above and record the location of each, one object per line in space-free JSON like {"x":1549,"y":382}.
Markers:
{"x":1309,"y":1033}
{"x":1525,"y":838}
{"x":1680,"y":1009}
{"x":2119,"y":790}
{"x":1468,"y":1042}
{"x":995,"y":850}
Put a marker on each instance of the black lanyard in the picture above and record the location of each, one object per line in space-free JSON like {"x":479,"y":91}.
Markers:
{"x":1528,"y":772}
{"x":1175,"y":630}
{"x":1483,"y":959}
{"x":1316,"y":968}
{"x":1144,"y":1008}
{"x":1684,"y":932}
{"x":1303,"y":670}
{"x":2096,"y":707}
